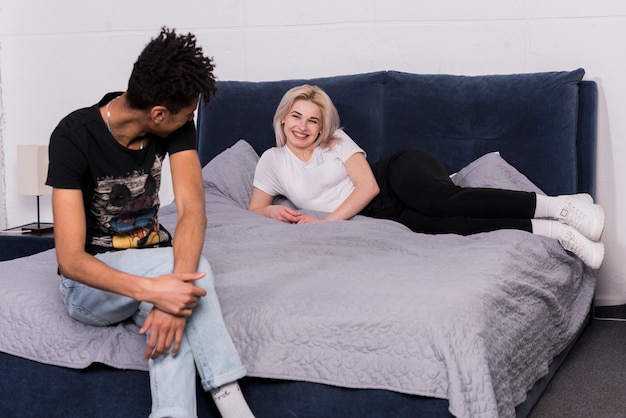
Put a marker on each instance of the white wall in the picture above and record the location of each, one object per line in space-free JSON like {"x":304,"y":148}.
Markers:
{"x":57,"y":56}
{"x":3,"y":211}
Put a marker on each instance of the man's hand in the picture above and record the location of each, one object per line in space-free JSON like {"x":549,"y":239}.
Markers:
{"x":165,"y":329}
{"x":176,"y":293}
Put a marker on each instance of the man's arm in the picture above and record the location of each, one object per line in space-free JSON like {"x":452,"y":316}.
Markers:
{"x":170,"y":293}
{"x":166,"y":329}
{"x":189,"y":196}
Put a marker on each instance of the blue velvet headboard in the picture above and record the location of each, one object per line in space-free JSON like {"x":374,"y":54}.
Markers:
{"x":542,"y":123}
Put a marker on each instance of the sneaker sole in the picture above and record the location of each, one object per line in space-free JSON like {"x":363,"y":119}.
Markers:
{"x":597,"y":252}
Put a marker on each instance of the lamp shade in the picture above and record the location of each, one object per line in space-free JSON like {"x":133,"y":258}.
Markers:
{"x":32,"y":163}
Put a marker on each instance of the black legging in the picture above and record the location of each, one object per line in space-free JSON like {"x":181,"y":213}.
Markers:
{"x":416,"y":190}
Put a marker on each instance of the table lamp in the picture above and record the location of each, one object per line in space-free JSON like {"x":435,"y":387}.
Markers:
{"x":32,"y":162}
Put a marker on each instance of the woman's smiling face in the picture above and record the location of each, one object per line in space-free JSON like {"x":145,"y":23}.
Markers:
{"x":302,"y":125}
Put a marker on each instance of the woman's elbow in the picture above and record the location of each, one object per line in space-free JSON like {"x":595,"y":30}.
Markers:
{"x":374,"y":189}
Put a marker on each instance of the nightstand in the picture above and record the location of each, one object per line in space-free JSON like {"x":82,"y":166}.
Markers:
{"x":14,"y":243}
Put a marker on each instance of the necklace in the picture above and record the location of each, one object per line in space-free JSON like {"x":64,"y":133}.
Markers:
{"x":108,"y":112}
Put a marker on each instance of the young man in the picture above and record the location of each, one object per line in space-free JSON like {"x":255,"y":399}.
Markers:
{"x":116,"y":262}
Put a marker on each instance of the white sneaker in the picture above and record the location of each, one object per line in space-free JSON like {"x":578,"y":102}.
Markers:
{"x":587,"y":217}
{"x":584,"y":196}
{"x":590,"y":252}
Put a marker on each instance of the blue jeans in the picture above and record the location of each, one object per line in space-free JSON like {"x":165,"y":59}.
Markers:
{"x":206,"y":343}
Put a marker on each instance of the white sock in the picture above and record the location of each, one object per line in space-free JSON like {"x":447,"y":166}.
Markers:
{"x":546,"y":206}
{"x":230,"y":401}
{"x":547,"y":228}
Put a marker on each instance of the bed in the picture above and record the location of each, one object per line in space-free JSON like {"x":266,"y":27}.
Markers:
{"x":358,"y":318}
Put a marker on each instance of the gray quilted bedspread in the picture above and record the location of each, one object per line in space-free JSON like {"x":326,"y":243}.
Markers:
{"x":362,"y":303}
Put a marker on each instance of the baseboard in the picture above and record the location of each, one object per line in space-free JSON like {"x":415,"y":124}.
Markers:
{"x":615,"y":312}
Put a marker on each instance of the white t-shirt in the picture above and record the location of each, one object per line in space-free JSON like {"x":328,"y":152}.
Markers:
{"x":320,"y":184}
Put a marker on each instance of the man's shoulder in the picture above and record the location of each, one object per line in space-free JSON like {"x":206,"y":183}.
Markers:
{"x":86,"y":115}
{"x":79,"y":118}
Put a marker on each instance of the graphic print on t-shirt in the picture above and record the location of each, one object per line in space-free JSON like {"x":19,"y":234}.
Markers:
{"x":126,"y":208}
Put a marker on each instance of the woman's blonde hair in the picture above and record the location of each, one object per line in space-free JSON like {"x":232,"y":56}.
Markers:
{"x":330,"y":116}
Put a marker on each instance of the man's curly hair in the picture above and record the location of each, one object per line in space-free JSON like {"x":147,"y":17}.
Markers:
{"x":171,"y":71}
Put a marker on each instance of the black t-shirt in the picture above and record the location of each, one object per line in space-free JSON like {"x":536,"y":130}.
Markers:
{"x":120,"y":186}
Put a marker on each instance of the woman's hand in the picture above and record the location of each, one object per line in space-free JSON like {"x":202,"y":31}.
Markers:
{"x":283,"y":214}
{"x":261,"y":204}
{"x":309,"y":219}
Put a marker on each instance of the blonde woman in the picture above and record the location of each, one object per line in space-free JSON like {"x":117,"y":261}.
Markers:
{"x":318,"y":167}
